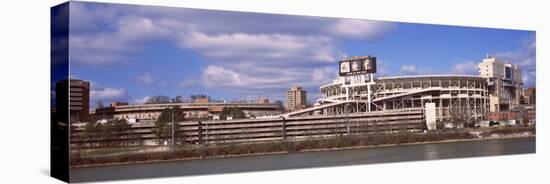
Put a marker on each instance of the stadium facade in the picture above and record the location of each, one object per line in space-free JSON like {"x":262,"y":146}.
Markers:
{"x":457,"y":98}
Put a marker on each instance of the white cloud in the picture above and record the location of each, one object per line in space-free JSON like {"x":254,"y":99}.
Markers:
{"x":134,"y":28}
{"x":218,"y":76}
{"x":103,"y":48}
{"x":107,"y":93}
{"x":243,"y":55}
{"x":146,"y":78}
{"x":264,"y":64}
{"x":325,"y":74}
{"x":525,"y":77}
{"x":226,"y":35}
{"x":142,"y":100}
{"x":261,"y":47}
{"x":383,"y":68}
{"x":366,"y":29}
{"x":272,"y":85}
{"x":468,"y":67}
{"x":408,"y":69}
{"x":525,"y":58}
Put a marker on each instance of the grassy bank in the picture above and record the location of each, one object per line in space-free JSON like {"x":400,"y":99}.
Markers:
{"x":335,"y":142}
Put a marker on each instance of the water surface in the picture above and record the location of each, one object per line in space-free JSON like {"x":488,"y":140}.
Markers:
{"x":310,"y":159}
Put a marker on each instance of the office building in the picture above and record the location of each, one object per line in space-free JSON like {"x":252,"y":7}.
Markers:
{"x":296,"y":98}
{"x":79,"y":98}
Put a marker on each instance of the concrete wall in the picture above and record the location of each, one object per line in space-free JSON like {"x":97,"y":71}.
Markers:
{"x":430,"y":114}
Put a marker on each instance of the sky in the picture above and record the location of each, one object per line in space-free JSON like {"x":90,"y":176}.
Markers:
{"x":130,"y":53}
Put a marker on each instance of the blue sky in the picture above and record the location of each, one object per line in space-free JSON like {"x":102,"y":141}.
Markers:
{"x":130,"y":53}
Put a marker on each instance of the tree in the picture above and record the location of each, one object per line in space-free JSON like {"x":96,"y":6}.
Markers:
{"x":119,"y":128}
{"x":234,"y":112}
{"x":99,"y":104}
{"x":90,"y":132}
{"x":194,"y":97}
{"x":178,"y":99}
{"x":461,"y":117}
{"x":280,"y":105}
{"x":107,"y":134}
{"x":163,"y":125}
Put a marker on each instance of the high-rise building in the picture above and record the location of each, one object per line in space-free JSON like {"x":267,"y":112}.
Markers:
{"x":79,"y":98}
{"x":296,"y":98}
{"x":504,"y":83}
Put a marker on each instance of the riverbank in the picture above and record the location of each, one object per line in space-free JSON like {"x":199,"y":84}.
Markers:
{"x":308,"y":145}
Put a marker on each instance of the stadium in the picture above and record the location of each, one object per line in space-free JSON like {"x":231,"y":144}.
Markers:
{"x":457,"y":98}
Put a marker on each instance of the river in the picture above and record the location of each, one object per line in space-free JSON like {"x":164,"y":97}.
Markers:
{"x":308,"y":159}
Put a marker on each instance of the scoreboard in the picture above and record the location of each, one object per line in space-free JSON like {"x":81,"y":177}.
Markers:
{"x":357,"y":65}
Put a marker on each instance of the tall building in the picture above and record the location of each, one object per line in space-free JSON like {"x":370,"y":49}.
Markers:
{"x":504,"y":83}
{"x":296,"y":98}
{"x":79,"y":98}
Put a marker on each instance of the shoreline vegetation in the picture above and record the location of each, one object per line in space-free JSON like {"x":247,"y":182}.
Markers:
{"x":111,"y":156}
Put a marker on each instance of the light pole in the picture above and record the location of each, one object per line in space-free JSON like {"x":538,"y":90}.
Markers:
{"x":347,"y":117}
{"x":173,"y":128}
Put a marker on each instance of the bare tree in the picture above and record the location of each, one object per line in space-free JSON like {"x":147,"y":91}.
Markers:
{"x":163,"y":125}
{"x":99,"y":104}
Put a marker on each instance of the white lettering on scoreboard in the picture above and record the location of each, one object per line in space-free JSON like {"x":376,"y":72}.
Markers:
{"x":357,"y":65}
{"x":357,"y":80}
